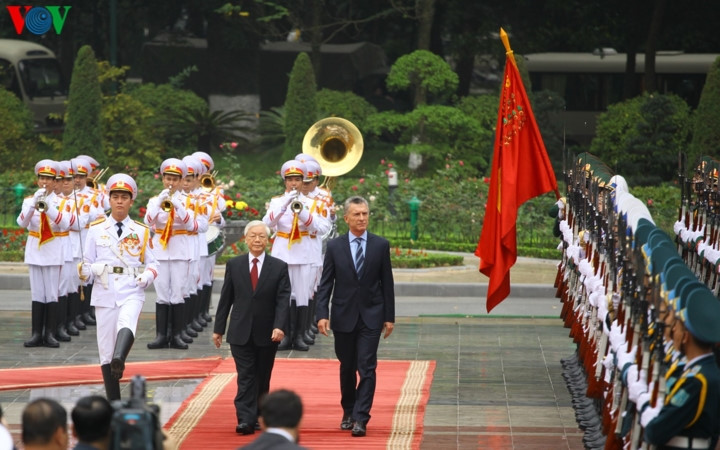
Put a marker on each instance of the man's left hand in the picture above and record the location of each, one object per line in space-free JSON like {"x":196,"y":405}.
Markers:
{"x":277,"y":335}
{"x":388,"y":327}
{"x":217,"y":339}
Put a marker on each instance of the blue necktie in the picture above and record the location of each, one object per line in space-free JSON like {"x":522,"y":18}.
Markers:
{"x":119,"y":225}
{"x":359,"y":256}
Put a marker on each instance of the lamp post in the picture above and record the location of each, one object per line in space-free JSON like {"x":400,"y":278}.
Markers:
{"x":414,"y":210}
{"x":392,"y":186}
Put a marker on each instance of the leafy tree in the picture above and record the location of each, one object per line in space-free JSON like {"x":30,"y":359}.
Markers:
{"x":164,"y":100}
{"x":83,"y":132}
{"x":706,"y":131}
{"x":300,"y":109}
{"x":343,"y":104}
{"x":17,"y":143}
{"x":426,"y":73}
{"x":643,"y":136}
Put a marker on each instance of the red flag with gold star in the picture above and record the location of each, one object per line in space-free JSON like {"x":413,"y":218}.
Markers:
{"x":521,"y":170}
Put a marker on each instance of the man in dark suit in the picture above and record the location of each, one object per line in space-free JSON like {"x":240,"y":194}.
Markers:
{"x":358,"y":275}
{"x":280,"y":415}
{"x":257,"y":287}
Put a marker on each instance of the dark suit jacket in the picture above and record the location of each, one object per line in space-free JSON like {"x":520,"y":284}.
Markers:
{"x":272,"y":441}
{"x":372,"y":296}
{"x":254,"y":314}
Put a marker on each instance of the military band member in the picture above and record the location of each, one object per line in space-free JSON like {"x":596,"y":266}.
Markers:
{"x":119,"y":257}
{"x":216,"y":207}
{"x":171,"y":222}
{"x":290,"y":215}
{"x":42,"y":216}
{"x":69,"y":281}
{"x":87,"y":199}
{"x":195,"y":204}
{"x":689,"y":416}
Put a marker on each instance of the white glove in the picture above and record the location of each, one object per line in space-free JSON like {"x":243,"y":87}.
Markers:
{"x":163,"y":195}
{"x":39,"y":193}
{"x":625,"y":358}
{"x":650,"y":413}
{"x":145,"y":279}
{"x":608,"y":362}
{"x":289,"y":197}
{"x":304,"y":215}
{"x":637,"y":386}
{"x":644,"y":397}
{"x":84,"y":271}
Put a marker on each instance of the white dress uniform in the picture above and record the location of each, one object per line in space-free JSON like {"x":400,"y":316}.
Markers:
{"x":120,"y":258}
{"x":115,"y":263}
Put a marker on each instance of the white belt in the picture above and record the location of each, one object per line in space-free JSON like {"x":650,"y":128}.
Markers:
{"x":687,"y":442}
{"x":117,"y":270}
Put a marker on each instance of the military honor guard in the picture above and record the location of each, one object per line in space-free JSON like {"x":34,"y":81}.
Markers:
{"x":42,"y":215}
{"x":69,"y":280}
{"x":118,"y":256}
{"x":171,"y":222}
{"x":296,"y":224}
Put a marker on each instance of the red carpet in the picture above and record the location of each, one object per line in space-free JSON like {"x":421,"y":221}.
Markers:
{"x":36,"y":377}
{"x":207,"y":418}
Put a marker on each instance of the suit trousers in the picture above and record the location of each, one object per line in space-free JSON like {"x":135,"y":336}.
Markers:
{"x":357,"y":353}
{"x":254,"y":366}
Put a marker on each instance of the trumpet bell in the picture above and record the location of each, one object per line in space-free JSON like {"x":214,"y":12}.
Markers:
{"x":207,"y":181}
{"x":335,"y":143}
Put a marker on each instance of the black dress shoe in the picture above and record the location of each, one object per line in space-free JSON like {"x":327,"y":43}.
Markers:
{"x":244,"y":428}
{"x":347,"y":423}
{"x":358,"y":429}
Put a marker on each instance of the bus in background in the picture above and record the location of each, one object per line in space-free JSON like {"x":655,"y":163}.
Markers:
{"x":32,"y":73}
{"x":590,"y":82}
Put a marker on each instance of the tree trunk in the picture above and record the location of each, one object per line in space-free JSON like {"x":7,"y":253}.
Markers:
{"x":651,"y":45}
{"x":316,"y":39}
{"x":425,"y":11}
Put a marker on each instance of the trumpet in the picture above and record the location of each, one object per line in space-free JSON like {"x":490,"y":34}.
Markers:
{"x":296,"y":206}
{"x":207,"y":181}
{"x":167,"y":205}
{"x":41,"y":204}
{"x":94,"y":182}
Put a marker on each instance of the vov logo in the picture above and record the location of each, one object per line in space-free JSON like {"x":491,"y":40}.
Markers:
{"x":38,"y":19}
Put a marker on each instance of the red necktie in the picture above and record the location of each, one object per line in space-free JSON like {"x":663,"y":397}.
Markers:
{"x":254,"y":273}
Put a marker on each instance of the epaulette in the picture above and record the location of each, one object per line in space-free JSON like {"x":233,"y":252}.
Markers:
{"x":141,"y":224}
{"x":97,"y":221}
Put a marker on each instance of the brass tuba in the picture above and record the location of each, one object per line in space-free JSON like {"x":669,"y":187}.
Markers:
{"x":336,"y":144}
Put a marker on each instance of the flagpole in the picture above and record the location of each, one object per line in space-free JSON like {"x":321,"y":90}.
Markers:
{"x":506,"y":42}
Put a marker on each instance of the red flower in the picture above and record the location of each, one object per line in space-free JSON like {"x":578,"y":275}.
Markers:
{"x":650,"y":202}
{"x":229,"y":213}
{"x":486,"y":180}
{"x":390,"y":165}
{"x":233,"y":145}
{"x":5,"y":232}
{"x":361,"y":180}
{"x":238,"y":195}
{"x":382,"y":162}
{"x":354,"y":188}
{"x":461,"y":163}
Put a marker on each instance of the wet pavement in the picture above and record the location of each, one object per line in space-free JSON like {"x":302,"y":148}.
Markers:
{"x":497,"y":382}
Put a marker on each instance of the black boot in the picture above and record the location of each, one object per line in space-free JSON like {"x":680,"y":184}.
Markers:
{"x":161,"y":324}
{"x":308,"y":335}
{"x":37,"y":321}
{"x":187,"y":319}
{"x":190,"y":310}
{"x":86,"y":308}
{"x":206,"y":299}
{"x":286,"y":343}
{"x":123,"y":344}
{"x":112,"y":386}
{"x":50,"y":324}
{"x":73,"y":310}
{"x":61,"y":334}
{"x":199,"y":310}
{"x":178,"y":327}
{"x":299,"y":331}
{"x":313,"y":320}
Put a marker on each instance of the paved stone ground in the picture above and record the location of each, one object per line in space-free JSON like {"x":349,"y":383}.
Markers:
{"x":497,"y":381}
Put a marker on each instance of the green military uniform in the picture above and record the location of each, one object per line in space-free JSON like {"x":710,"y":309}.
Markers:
{"x":690,"y":415}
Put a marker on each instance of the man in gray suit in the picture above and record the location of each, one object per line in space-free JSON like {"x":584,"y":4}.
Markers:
{"x":358,"y":275}
{"x":257,"y":288}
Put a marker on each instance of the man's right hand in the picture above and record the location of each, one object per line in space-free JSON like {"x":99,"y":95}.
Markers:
{"x":323,"y":326}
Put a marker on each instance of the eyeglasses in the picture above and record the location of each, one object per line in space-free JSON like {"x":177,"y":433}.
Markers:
{"x":252,"y":237}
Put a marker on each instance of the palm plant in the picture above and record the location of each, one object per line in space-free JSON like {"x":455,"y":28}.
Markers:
{"x":212,"y":128}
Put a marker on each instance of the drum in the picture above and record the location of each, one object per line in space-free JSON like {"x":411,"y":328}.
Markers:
{"x":215,"y":239}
